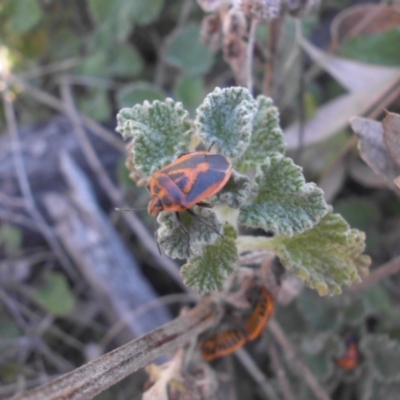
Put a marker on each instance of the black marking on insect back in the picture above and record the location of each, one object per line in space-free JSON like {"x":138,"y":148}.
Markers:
{"x":217,"y":162}
{"x":156,"y":189}
{"x":166,"y":201}
{"x":175,"y":194}
{"x":182,"y":182}
{"x":204,"y":181}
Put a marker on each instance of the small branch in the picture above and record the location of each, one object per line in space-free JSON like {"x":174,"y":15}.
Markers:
{"x":280,"y":373}
{"x":311,"y":380}
{"x":96,"y":376}
{"x":166,"y":43}
{"x":255,"y":372}
{"x":390,"y":268}
{"x":23,"y":180}
{"x":250,"y":54}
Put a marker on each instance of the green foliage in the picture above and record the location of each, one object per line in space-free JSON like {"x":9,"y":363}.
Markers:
{"x":10,"y":240}
{"x":282,"y":202}
{"x":383,"y":357}
{"x":190,"y":91}
{"x":380,"y":48}
{"x":319,"y":352}
{"x":235,"y":192}
{"x":23,"y":15}
{"x":266,"y":138}
{"x":186,"y":52}
{"x":55,"y":295}
{"x":321,"y":316}
{"x":321,"y":249}
{"x":160,"y":131}
{"x":325,"y":257}
{"x":122,"y":61}
{"x":208,"y":272}
{"x":138,"y":92}
{"x":225,"y":118}
{"x":95,"y":104}
{"x":190,"y":239}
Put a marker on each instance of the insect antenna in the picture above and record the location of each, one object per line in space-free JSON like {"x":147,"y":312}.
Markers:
{"x":197,"y":218}
{"x":130,"y":209}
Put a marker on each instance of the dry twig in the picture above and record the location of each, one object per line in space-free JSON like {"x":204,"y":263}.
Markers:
{"x":96,"y":376}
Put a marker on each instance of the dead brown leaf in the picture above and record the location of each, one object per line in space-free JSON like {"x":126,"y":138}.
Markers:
{"x":373,"y":151}
{"x":364,"y":19}
{"x":367,"y":84}
{"x":391,"y":135}
{"x":364,"y":175}
{"x":397,"y":182}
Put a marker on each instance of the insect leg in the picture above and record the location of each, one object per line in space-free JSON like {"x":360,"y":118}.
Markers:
{"x":183,"y":227}
{"x":204,"y":204}
{"x":197,"y":218}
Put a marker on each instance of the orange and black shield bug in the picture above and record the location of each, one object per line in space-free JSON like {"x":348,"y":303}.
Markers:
{"x":260,"y":315}
{"x":186,"y":182}
{"x":352,"y":356}
{"x":222,"y":343}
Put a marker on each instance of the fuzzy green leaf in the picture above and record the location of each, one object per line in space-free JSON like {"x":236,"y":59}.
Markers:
{"x":325,"y":257}
{"x":209,"y":271}
{"x":184,"y":242}
{"x":226,"y":118}
{"x":55,"y":295}
{"x":383,"y":357}
{"x":235,"y":192}
{"x":282,"y":201}
{"x":160,"y":132}
{"x":266,"y":138}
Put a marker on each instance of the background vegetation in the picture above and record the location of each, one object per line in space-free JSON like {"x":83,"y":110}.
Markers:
{"x":68,"y":67}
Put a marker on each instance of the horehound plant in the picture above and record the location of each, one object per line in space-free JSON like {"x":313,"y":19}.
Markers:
{"x":266,"y":190}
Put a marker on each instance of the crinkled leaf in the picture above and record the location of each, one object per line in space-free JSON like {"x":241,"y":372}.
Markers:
{"x":267,"y":136}
{"x":190,"y":239}
{"x":138,"y":92}
{"x":160,"y":131}
{"x":282,"y":201}
{"x":55,"y":295}
{"x":326,"y":257}
{"x":235,"y":192}
{"x":188,"y":53}
{"x":383,"y":357}
{"x":321,"y":315}
{"x":208,"y":272}
{"x":226,"y":118}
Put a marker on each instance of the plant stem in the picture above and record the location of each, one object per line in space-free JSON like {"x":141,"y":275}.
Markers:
{"x":96,"y":376}
{"x":250,"y":54}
